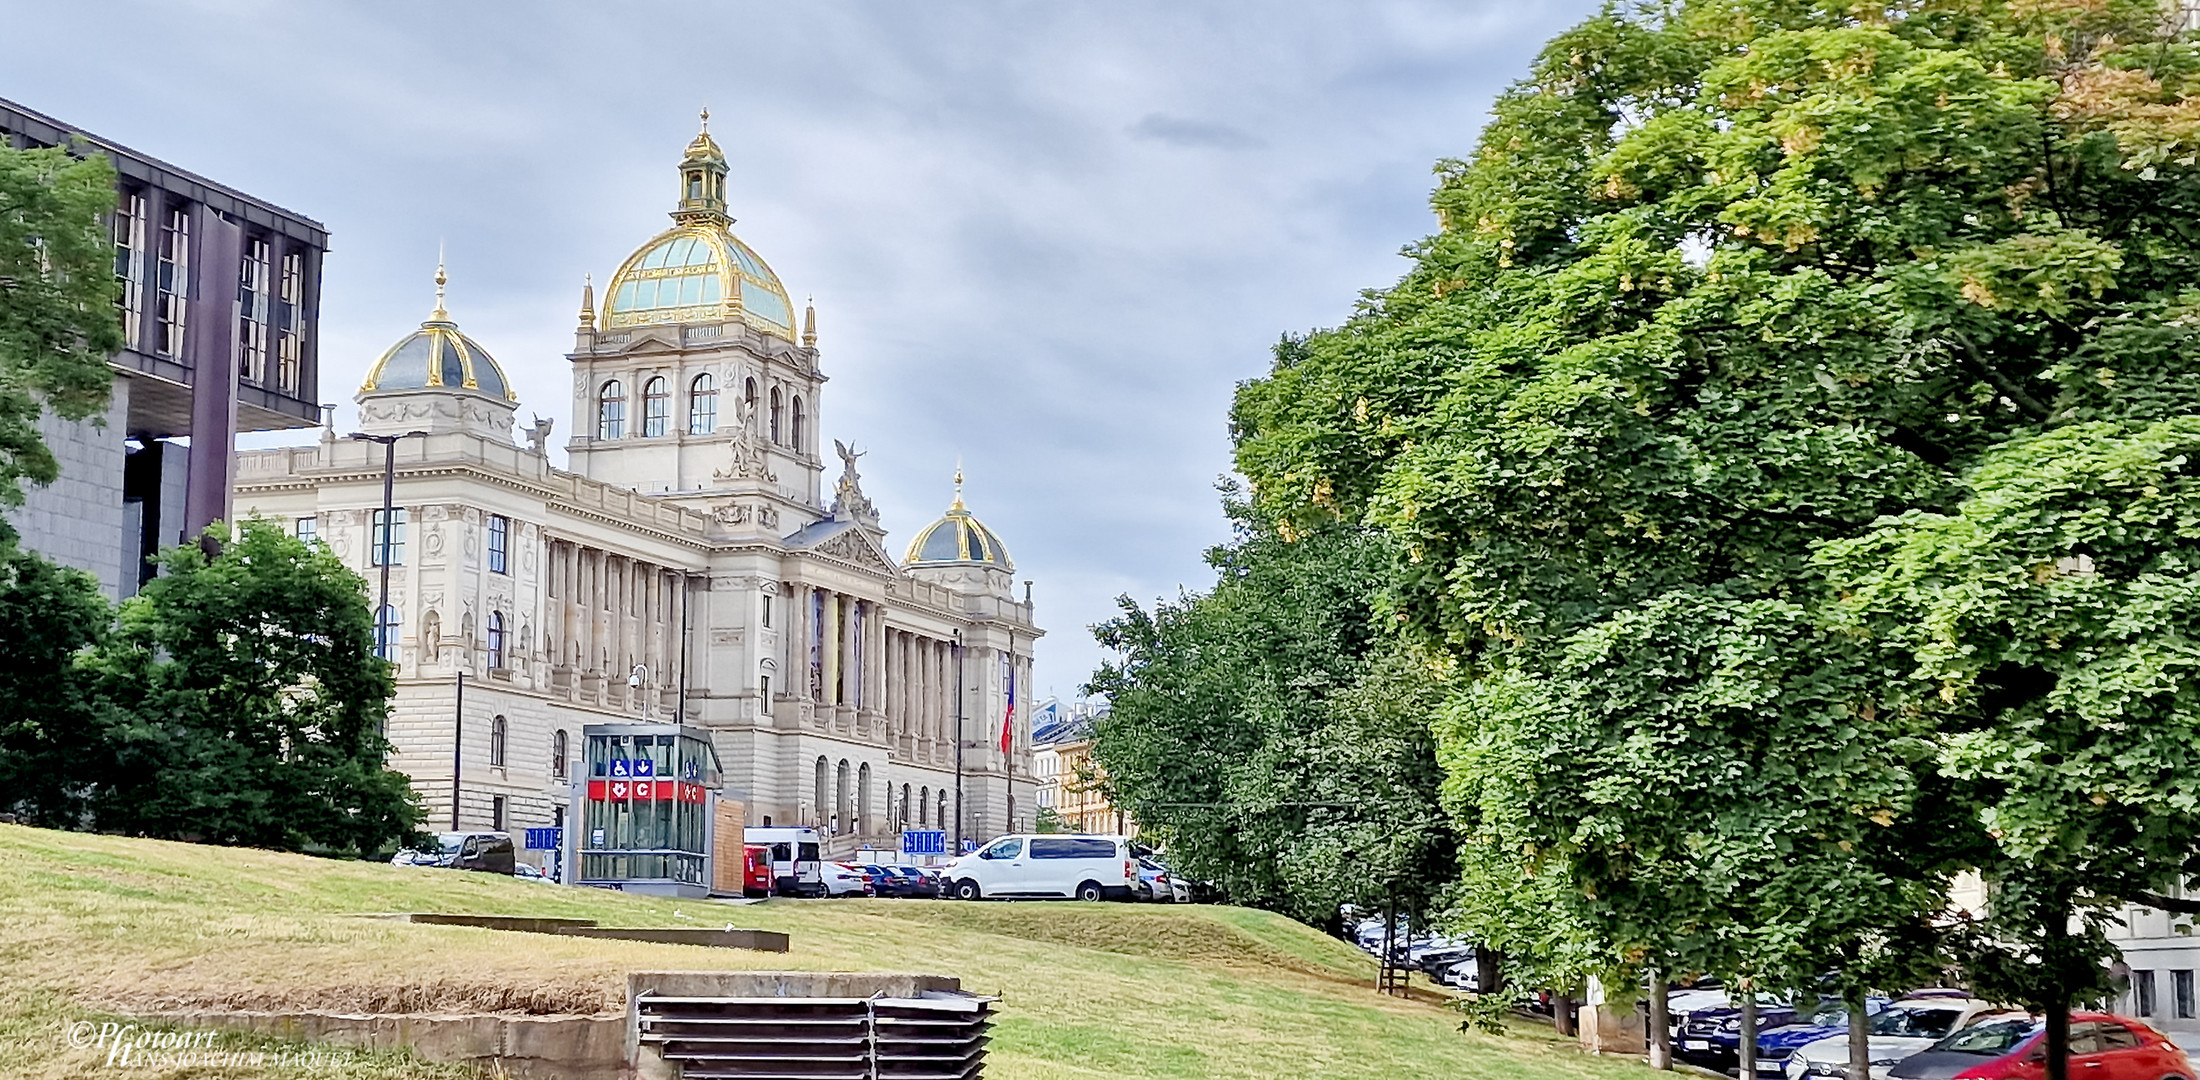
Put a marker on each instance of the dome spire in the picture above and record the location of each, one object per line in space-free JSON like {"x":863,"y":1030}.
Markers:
{"x":702,"y":181}
{"x":588,"y":301}
{"x":958,"y":488}
{"x":809,"y":323}
{"x":440,"y":278}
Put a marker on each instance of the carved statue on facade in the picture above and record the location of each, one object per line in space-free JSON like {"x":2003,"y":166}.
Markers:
{"x":538,"y":436}
{"x":848,"y":498}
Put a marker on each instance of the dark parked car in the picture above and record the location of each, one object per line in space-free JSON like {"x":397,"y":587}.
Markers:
{"x":914,"y":882}
{"x":488,"y":852}
{"x":2101,"y":1046}
{"x":1712,"y":1038}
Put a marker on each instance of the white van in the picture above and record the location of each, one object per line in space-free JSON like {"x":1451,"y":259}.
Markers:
{"x":1047,"y":864}
{"x":796,"y":870}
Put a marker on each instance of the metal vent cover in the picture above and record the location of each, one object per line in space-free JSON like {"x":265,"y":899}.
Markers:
{"x":935,"y":1036}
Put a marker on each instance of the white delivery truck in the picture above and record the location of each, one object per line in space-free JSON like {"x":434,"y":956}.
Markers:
{"x":796,"y":870}
{"x":1087,"y":867}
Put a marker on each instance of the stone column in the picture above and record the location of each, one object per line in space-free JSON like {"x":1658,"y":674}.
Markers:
{"x":584,"y":600}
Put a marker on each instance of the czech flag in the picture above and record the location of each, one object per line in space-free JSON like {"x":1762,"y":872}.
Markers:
{"x":1008,"y":720}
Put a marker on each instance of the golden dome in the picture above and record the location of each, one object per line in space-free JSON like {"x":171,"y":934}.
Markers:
{"x":437,"y":356}
{"x":698,"y":271}
{"x":958,"y":537}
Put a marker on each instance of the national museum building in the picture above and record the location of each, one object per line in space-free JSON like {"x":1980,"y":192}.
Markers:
{"x":689,"y":567}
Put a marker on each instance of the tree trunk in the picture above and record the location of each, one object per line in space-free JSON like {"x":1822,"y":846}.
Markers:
{"x":1562,"y":1014}
{"x":1489,"y":970}
{"x":1660,"y":1033}
{"x":2057,"y":954}
{"x":1746,"y":1065}
{"x":1860,"y":1038}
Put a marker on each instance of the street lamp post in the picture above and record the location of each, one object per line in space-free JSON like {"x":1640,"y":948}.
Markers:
{"x":958,"y":653}
{"x":389,"y":524}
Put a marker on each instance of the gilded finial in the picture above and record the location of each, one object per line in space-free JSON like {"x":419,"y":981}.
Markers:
{"x":958,"y":488}
{"x":440,"y":278}
{"x":809,"y":323}
{"x":588,"y":301}
{"x":706,"y":120}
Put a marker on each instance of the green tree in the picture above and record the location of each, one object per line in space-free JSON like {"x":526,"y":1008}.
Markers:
{"x":1723,"y":284}
{"x":49,"y":617}
{"x":244,"y":703}
{"x":58,"y":323}
{"x":2050,"y":624}
{"x":1258,"y":731}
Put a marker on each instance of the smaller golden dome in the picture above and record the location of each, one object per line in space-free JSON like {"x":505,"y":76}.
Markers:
{"x":437,"y":355}
{"x":957,"y":538}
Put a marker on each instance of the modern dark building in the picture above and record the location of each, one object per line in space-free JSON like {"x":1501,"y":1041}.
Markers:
{"x":220,"y":312}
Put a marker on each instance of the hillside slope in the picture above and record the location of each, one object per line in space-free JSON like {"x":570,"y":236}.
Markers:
{"x":97,"y":925}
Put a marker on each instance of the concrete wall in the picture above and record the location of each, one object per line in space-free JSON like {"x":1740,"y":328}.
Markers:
{"x":78,"y":520}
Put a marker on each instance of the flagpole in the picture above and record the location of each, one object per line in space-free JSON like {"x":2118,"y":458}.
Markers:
{"x":1008,"y":736}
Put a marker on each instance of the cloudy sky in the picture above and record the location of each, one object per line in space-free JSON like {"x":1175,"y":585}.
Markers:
{"x":1045,"y":237}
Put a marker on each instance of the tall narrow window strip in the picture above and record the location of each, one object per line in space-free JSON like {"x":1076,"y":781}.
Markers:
{"x":794,"y":432}
{"x":252,"y":308}
{"x":611,"y":411}
{"x":290,"y":335}
{"x":173,"y":280}
{"x":497,"y":733}
{"x":2181,"y":990}
{"x":775,"y":414}
{"x":385,"y":634}
{"x":748,"y":397}
{"x":559,"y":747}
{"x":500,"y":538}
{"x":656,"y":407}
{"x":703,"y":406}
{"x":496,"y":641}
{"x":392,"y":530}
{"x":130,"y":213}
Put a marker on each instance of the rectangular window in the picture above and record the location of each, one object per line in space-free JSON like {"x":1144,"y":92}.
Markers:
{"x":290,"y":348}
{"x":172,"y":280}
{"x":767,"y":612}
{"x":500,"y":532}
{"x":1065,"y":848}
{"x":388,"y":540}
{"x":130,"y":211}
{"x":252,"y":283}
{"x":2180,"y":983}
{"x":308,"y":529}
{"x":496,"y":813}
{"x":767,"y":693}
{"x":2142,"y":993}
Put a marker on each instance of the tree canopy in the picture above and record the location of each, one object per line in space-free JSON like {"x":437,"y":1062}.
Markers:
{"x":58,"y":323}
{"x":1785,"y":442}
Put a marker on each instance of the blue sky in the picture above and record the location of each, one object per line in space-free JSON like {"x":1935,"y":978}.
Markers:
{"x":1047,"y":238}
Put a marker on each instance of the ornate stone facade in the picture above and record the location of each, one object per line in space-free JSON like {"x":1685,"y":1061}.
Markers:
{"x":685,"y":565}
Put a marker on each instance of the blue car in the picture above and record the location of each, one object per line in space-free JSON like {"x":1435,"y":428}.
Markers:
{"x":1712,"y":1038}
{"x":1824,"y":1020}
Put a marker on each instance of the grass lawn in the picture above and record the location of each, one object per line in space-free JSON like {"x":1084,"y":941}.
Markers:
{"x":98,"y":927}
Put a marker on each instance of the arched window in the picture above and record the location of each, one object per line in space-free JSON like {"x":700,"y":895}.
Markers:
{"x":656,"y":407}
{"x":775,"y":414}
{"x":748,"y":396}
{"x":385,"y":634}
{"x":496,"y":641}
{"x":902,"y":813}
{"x":843,"y":799}
{"x":611,"y":411}
{"x":924,"y":805}
{"x":703,"y":405}
{"x":559,"y":747}
{"x":794,"y":433}
{"x":496,"y":741}
{"x":863,"y":799}
{"x":939,"y":818}
{"x":823,"y":807}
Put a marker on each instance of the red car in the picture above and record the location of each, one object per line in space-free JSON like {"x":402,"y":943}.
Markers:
{"x":2102,"y":1047}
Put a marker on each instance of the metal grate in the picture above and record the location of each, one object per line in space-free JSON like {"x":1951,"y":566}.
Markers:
{"x":933,"y":1037}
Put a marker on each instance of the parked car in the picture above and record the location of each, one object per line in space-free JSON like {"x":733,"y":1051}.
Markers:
{"x":525,"y":872}
{"x":2101,"y":1045}
{"x":1712,"y":1038}
{"x":1087,"y":867}
{"x":1825,"y":1020}
{"x":916,"y":882}
{"x":1901,"y":1029}
{"x":842,"y":879}
{"x":1158,"y":884}
{"x":1435,"y":962}
{"x":488,"y":852}
{"x":1465,"y":974}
